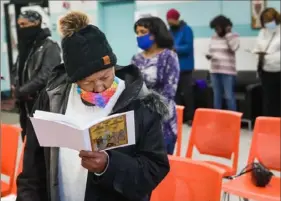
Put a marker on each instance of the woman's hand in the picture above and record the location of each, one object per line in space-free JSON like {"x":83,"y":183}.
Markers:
{"x":13,"y":89}
{"x":94,"y":161}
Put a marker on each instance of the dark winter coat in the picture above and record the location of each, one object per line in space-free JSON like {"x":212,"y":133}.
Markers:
{"x":133,"y":171}
{"x":32,"y":77}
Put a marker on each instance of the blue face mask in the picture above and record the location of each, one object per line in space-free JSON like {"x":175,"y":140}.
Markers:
{"x":144,"y":42}
{"x":270,"y":25}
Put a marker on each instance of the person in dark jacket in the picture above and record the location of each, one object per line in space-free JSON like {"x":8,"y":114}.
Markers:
{"x":38,"y":55}
{"x":183,"y":40}
{"x":90,"y":86}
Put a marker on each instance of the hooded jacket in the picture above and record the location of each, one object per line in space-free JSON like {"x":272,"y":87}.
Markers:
{"x":133,"y":171}
{"x":183,"y":40}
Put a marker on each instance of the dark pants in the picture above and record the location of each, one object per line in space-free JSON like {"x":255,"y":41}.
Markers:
{"x":223,"y":87}
{"x":184,"y":95}
{"x":25,"y":108}
{"x":170,"y":142}
{"x":271,"y":93}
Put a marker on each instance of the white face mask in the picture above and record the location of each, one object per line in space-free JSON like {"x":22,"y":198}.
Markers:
{"x":270,"y":25}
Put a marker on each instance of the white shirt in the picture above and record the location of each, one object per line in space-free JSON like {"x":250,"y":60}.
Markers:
{"x":72,"y":176}
{"x":272,"y":59}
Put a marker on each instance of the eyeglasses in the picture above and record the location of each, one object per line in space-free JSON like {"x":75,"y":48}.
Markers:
{"x":32,"y":16}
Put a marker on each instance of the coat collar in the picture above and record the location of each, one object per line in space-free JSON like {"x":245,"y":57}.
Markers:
{"x":58,"y":88}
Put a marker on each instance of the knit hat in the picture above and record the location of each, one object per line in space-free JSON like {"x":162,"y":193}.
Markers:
{"x":85,"y":47}
{"x":173,"y":14}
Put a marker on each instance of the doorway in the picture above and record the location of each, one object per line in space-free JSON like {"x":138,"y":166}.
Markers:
{"x":116,"y":20}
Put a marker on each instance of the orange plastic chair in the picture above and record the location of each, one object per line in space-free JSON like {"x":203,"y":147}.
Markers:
{"x":265,"y":148}
{"x":19,"y":170}
{"x":189,"y":180}
{"x":179,"y":123}
{"x":216,"y":133}
{"x":9,"y":148}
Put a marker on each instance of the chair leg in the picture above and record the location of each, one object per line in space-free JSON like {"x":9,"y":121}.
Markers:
{"x":224,"y":196}
{"x":250,"y":125}
{"x":228,"y":197}
{"x":245,"y":199}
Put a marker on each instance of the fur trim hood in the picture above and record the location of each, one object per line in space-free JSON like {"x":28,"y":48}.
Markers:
{"x":155,"y":102}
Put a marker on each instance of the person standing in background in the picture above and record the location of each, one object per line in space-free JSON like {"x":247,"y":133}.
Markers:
{"x":268,"y":50}
{"x":38,"y":55}
{"x":222,"y":51}
{"x":183,"y":46}
{"x":159,"y":66}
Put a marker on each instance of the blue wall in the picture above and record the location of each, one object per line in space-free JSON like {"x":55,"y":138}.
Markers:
{"x":112,"y":14}
{"x":199,"y":13}
{"x":4,"y":58}
{"x":192,"y":12}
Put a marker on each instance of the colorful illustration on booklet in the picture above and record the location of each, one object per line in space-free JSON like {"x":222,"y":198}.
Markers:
{"x":109,"y":133}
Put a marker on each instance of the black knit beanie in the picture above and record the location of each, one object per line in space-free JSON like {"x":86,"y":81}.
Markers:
{"x":85,"y":47}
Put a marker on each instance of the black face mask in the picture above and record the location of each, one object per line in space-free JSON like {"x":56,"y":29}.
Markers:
{"x":29,"y":33}
{"x":222,"y":34}
{"x":174,"y":27}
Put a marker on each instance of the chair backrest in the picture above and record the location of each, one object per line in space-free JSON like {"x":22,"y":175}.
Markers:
{"x":19,"y":170}
{"x":9,"y":149}
{"x":179,"y":125}
{"x":265,"y":146}
{"x":189,"y":180}
{"x":216,"y":133}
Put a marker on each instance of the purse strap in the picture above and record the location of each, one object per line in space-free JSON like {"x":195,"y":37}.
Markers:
{"x":265,"y":50}
{"x":243,"y":171}
{"x":269,"y":42}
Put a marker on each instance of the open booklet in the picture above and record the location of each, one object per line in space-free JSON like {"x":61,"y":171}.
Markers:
{"x":9,"y":198}
{"x":57,"y":130}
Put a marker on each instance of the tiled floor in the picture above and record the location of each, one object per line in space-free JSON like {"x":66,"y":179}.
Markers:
{"x":245,"y":141}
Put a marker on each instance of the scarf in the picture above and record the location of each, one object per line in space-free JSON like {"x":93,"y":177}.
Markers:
{"x":99,"y":99}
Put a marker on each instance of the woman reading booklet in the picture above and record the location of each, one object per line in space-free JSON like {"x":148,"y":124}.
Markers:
{"x":86,"y":87}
